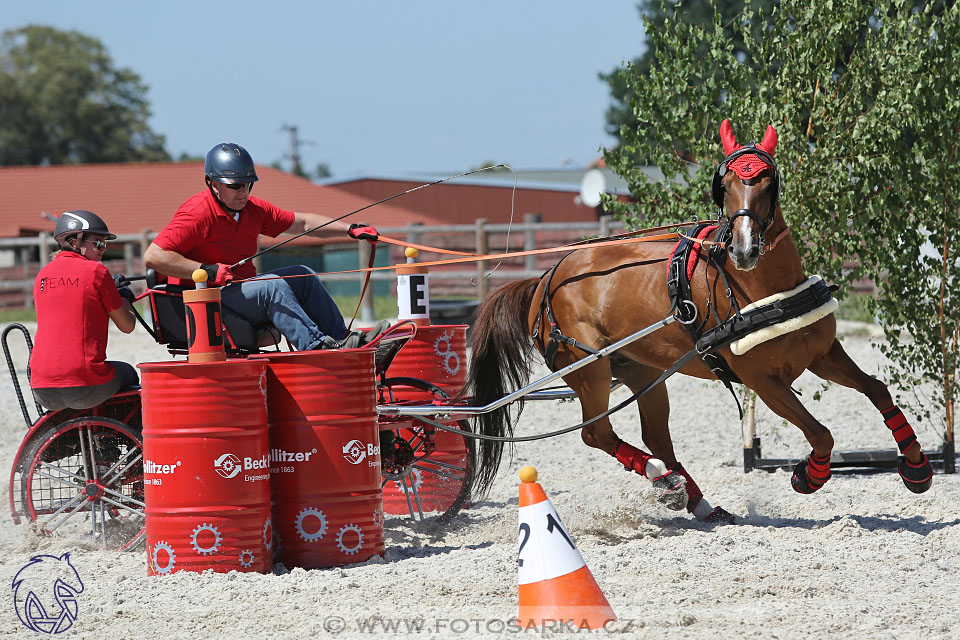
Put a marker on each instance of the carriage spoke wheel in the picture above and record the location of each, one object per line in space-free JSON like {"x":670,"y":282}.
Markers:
{"x":438,"y":480}
{"x":86,"y":477}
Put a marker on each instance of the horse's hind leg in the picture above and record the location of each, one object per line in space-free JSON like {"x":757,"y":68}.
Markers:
{"x":654,"y":408}
{"x":836,"y":366}
{"x":592,"y":386}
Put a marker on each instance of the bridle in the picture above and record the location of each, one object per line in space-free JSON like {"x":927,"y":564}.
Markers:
{"x":726,"y":232}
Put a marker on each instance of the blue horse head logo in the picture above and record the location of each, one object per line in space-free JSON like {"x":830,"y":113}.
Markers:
{"x":45,"y":594}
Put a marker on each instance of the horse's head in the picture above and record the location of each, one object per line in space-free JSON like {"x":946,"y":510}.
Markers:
{"x":746,"y":188}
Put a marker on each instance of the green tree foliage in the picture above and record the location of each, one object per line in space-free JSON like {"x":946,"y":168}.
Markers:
{"x":62,"y":100}
{"x":656,"y":16}
{"x":865,"y":98}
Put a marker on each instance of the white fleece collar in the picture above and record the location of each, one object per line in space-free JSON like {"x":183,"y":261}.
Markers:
{"x":744,"y":344}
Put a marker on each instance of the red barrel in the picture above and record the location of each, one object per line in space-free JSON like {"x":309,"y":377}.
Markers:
{"x":324,"y":457}
{"x":206,"y":466}
{"x":437,"y":354}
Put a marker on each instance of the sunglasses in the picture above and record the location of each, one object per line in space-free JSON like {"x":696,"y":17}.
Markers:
{"x":235,"y":186}
{"x":99,"y":244}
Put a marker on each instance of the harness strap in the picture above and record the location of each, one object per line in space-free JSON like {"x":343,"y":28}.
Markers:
{"x":770,"y":246}
{"x":683,"y":263}
{"x":556,"y":338}
{"x":680,"y":270}
{"x":544,"y":307}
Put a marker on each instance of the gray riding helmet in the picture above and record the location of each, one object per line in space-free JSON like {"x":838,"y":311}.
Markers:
{"x":81,"y":221}
{"x":229,"y":163}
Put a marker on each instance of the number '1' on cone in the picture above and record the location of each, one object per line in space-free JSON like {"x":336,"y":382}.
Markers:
{"x":555,"y":583}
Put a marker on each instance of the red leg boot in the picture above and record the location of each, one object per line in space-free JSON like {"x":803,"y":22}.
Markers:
{"x":668,"y":485}
{"x":917,"y":477}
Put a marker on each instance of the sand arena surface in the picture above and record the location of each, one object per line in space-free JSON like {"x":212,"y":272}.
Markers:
{"x":862,"y":558}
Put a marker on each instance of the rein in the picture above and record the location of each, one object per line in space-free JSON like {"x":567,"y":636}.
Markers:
{"x":765,"y":247}
{"x":381,"y":201}
{"x":466,"y":258}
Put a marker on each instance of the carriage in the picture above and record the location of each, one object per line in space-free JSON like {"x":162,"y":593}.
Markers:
{"x":82,"y":470}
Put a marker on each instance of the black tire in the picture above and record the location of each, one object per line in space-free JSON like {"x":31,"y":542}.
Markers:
{"x":393,"y":390}
{"x":59,"y":474}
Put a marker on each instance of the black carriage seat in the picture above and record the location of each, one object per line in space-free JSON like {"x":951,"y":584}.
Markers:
{"x":166,"y":305}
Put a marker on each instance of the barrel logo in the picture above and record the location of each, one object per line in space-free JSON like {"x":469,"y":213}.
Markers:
{"x":154,"y":468}
{"x":227,"y":465}
{"x":354,"y":452}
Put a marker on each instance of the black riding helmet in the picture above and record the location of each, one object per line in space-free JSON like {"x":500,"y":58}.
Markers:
{"x":229,"y":163}
{"x":79,"y":221}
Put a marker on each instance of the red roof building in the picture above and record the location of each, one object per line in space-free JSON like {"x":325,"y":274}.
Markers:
{"x":134,"y":197}
{"x":470,"y":198}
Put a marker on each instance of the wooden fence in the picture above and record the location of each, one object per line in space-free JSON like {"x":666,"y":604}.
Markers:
{"x":468,"y":280}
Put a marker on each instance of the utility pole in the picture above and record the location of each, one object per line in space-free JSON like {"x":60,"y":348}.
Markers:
{"x":296,"y":169}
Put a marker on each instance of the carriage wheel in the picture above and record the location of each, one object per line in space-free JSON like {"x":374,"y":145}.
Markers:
{"x":86,"y":477}
{"x":438,"y":481}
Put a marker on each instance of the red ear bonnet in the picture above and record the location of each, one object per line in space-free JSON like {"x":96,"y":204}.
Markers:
{"x":769,"y":143}
{"x":729,"y":140}
{"x":748,"y":165}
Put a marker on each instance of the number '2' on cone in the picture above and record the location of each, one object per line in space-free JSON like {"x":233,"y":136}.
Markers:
{"x":555,"y":583}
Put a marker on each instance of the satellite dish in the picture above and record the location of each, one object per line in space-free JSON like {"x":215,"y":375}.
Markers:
{"x":592,"y":186}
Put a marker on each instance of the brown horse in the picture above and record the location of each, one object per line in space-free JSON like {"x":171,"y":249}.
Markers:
{"x":602,"y":295}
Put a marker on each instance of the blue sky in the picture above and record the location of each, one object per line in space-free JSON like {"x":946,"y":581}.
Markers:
{"x":374,"y":87}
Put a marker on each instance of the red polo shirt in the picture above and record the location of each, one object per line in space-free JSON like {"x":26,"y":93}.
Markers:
{"x":73,"y":296}
{"x":204,"y":231}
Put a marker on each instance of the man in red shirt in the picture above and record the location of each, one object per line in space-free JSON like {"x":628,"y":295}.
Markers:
{"x":76,"y":299}
{"x":219,"y":227}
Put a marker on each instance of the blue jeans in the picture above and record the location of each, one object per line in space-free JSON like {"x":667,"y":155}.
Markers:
{"x":300,"y":308}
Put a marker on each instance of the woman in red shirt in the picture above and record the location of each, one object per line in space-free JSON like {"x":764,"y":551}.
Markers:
{"x":75,"y":298}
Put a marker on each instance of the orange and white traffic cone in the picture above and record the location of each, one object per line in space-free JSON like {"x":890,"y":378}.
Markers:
{"x":555,"y":583}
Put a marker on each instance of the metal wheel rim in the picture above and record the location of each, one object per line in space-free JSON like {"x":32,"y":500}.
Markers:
{"x":114,"y":514}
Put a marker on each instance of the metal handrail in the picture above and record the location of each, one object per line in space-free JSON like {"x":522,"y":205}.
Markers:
{"x":13,"y":371}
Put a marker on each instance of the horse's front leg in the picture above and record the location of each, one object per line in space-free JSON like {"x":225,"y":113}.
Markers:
{"x":812,"y":473}
{"x":592,"y":386}
{"x":654,"y":406}
{"x":915,"y":469}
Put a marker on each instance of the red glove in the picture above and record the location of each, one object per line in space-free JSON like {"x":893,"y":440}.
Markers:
{"x":363,"y":232}
{"x":218,"y":274}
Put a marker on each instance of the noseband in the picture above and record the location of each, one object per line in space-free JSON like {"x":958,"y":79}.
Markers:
{"x":726,"y":232}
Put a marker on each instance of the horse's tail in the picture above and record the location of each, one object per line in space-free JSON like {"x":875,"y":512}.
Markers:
{"x":501,"y":346}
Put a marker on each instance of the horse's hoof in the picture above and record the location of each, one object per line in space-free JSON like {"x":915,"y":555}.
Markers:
{"x":917,"y":478}
{"x":800,"y":482}
{"x":720,"y":516}
{"x":671,"y":490}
